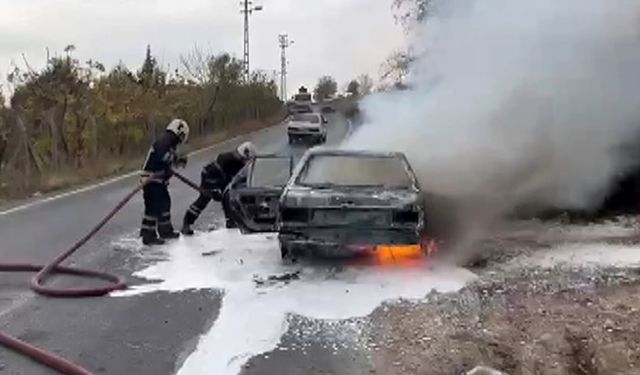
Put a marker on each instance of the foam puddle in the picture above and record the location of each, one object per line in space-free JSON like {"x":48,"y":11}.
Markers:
{"x":253,"y":316}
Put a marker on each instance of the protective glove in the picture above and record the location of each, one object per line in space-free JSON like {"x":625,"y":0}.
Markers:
{"x":181,"y":161}
{"x":216,"y":194}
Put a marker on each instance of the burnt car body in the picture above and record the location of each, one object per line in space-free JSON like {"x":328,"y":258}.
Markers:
{"x":328,"y":209}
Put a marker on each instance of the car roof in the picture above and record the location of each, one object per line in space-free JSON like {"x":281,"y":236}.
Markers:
{"x":344,"y":152}
{"x":307,"y":114}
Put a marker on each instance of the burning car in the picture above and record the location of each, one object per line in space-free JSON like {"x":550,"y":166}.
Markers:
{"x":335,"y":203}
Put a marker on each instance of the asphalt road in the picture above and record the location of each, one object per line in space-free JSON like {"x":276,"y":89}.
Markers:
{"x":148,"y":334}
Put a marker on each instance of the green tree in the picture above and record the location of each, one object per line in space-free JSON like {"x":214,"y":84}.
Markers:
{"x":326,"y":87}
{"x":354,"y":88}
{"x":225,"y":70}
{"x":150,"y":75}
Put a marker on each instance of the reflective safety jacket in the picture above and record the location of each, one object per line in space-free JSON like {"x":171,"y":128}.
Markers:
{"x":161,"y":156}
{"x":219,"y":173}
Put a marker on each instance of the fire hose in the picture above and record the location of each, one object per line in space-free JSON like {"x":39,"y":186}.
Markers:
{"x":45,"y":272}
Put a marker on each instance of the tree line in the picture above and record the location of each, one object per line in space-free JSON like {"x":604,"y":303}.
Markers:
{"x":327,"y":87}
{"x":72,"y":115}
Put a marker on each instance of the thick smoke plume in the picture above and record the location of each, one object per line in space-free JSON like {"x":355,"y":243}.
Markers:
{"x":516,"y":102}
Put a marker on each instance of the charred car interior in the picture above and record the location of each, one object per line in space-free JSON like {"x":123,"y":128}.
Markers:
{"x":334,"y":203}
{"x":252,"y":197}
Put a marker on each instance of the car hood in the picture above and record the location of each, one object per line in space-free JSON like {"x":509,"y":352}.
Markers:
{"x":346,"y":197}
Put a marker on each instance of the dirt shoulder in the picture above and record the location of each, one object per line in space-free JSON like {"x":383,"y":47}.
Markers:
{"x":524,"y":318}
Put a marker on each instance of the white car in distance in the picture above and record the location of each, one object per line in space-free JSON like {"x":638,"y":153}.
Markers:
{"x":307,"y":127}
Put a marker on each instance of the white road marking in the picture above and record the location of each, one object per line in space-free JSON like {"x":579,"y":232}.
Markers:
{"x":67,"y":194}
{"x":119,"y":178}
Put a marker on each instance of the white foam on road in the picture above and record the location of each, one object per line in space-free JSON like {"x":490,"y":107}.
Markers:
{"x":253,"y":316}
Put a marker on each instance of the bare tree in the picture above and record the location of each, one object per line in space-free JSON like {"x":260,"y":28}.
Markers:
{"x":409,"y":12}
{"x":195,"y":65}
{"x":395,"y":68}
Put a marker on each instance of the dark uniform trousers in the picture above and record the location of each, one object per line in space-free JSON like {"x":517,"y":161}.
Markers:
{"x":157,"y":202}
{"x":214,"y":179}
{"x":207,"y":184}
{"x":157,"y":210}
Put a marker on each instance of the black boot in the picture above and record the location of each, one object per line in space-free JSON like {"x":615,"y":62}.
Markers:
{"x":149,"y":232}
{"x":152,"y":241}
{"x":165,"y":229}
{"x":187,"y":230}
{"x":230,"y":224}
{"x":169,"y":235}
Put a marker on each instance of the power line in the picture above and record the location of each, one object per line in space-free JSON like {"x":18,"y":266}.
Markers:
{"x":247,"y":9}
{"x":284,"y":44}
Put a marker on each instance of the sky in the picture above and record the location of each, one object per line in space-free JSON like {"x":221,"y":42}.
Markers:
{"x":341,"y":38}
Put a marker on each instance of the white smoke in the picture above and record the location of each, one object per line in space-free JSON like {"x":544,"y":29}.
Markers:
{"x":527,"y":97}
{"x":516,"y":101}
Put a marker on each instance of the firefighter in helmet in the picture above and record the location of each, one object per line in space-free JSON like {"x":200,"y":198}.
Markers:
{"x":214,"y":179}
{"x":162,"y":156}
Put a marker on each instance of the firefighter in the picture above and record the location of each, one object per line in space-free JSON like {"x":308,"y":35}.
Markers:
{"x":162,"y":156}
{"x":214,"y":179}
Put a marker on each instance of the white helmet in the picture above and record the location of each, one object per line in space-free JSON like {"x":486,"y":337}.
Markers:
{"x":180,"y":128}
{"x":247,"y":150}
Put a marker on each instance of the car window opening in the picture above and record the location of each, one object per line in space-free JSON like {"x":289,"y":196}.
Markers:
{"x":355,"y":171}
{"x":262,"y":174}
{"x":314,"y":119}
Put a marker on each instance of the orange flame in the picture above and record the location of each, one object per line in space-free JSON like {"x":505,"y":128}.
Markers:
{"x":404,"y":255}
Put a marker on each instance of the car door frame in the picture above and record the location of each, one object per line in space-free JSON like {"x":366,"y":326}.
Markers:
{"x":239,"y":210}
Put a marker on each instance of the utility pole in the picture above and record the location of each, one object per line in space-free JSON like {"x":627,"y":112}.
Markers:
{"x":284,"y":44}
{"x":247,"y":9}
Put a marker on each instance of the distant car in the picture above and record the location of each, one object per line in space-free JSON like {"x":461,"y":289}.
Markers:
{"x":328,"y":109}
{"x":335,"y":203}
{"x":302,"y":97}
{"x":300,"y":108}
{"x":307,"y":126}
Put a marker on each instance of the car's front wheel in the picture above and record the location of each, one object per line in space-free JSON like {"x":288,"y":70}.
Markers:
{"x":286,"y":252}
